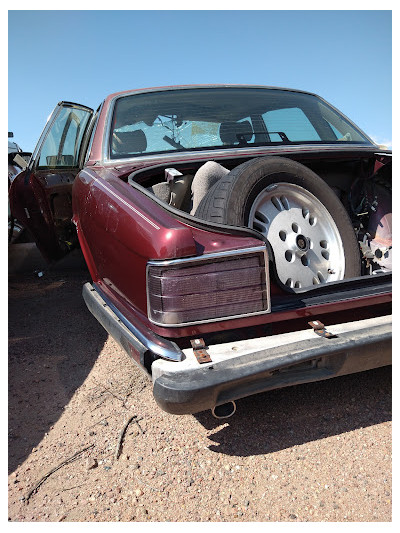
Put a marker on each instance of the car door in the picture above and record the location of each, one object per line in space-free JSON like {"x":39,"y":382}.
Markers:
{"x":40,"y":196}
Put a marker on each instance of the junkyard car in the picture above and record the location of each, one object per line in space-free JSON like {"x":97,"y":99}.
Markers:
{"x":238,"y":237}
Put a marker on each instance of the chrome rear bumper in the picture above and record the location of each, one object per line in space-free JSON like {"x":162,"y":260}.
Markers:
{"x":248,"y":367}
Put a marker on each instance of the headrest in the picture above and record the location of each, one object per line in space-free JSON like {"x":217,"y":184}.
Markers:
{"x":129,"y":142}
{"x":234,"y":132}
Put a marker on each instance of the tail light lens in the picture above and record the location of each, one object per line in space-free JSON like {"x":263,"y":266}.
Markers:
{"x":207,"y":288}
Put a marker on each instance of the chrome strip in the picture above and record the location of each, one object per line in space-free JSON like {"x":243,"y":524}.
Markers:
{"x":205,"y":257}
{"x":162,"y":347}
{"x":213,"y":255}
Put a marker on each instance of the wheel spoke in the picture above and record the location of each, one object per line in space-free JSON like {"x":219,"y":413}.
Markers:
{"x":303,"y":235}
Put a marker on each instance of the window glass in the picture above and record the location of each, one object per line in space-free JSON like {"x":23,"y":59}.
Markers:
{"x":291,"y":122}
{"x":62,"y":144}
{"x":342,"y":129}
{"x":198,"y":118}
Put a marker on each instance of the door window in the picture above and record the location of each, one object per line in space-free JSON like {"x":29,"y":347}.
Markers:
{"x":62,"y":144}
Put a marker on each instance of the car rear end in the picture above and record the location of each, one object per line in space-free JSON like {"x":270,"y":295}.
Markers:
{"x":201,"y":305}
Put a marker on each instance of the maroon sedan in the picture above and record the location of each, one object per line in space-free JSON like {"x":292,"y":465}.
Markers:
{"x":239,"y":238}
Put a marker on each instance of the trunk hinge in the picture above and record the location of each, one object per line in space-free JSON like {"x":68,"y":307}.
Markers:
{"x":199,"y":350}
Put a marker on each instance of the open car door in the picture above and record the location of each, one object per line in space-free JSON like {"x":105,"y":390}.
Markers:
{"x":40,"y":196}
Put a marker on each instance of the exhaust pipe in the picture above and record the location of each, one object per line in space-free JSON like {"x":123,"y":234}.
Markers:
{"x":225,"y":410}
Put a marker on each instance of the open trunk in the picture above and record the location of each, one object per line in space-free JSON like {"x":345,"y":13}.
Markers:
{"x":360,"y":181}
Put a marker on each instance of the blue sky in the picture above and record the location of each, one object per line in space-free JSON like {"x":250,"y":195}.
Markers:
{"x":81,"y":56}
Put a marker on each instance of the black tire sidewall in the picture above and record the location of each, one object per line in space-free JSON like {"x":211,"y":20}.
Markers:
{"x":248,"y":180}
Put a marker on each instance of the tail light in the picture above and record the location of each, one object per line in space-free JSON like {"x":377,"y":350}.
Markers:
{"x":211,"y":287}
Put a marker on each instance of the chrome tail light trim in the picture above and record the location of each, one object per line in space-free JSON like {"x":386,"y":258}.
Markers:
{"x":188,"y":261}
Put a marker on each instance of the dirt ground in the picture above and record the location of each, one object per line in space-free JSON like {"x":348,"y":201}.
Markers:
{"x":317,"y":452}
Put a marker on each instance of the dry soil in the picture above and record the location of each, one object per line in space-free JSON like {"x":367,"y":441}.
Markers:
{"x":317,"y":452}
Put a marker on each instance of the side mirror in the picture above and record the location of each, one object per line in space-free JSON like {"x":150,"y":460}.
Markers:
{"x":10,"y":134}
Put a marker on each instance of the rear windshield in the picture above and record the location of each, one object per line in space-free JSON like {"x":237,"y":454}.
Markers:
{"x":214,"y":118}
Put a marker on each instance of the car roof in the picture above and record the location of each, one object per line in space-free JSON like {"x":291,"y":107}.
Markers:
{"x":205,"y":86}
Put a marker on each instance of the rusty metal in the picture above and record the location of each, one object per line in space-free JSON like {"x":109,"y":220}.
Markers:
{"x":320,"y":329}
{"x":199,"y":350}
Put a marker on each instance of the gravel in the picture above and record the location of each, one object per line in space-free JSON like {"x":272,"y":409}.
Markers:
{"x":317,"y":452}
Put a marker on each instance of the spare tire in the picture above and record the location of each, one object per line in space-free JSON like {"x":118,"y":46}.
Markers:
{"x":306,"y":224}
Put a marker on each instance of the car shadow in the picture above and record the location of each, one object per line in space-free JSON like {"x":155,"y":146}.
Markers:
{"x":54,"y":342}
{"x":283,"y":418}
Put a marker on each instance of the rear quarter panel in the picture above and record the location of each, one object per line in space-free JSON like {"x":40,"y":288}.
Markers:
{"x":120,"y":229}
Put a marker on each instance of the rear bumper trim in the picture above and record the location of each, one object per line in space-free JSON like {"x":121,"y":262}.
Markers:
{"x":365,"y":346}
{"x":124,"y":332}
